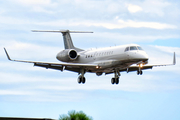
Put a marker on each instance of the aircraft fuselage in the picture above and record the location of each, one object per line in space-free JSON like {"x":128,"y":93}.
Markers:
{"x":118,"y":56}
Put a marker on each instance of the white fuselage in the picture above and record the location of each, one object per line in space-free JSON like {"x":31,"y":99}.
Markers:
{"x":113,"y":56}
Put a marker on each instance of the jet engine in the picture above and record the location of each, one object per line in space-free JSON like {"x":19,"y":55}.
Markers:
{"x":67,"y":55}
{"x":99,"y":73}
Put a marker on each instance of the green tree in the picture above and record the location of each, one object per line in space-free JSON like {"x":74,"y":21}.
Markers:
{"x":73,"y":115}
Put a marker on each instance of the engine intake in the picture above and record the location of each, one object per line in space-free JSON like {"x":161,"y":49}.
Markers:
{"x":67,"y":55}
{"x":73,"y":54}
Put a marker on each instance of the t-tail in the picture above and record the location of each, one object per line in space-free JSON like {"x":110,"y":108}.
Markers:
{"x":68,"y":43}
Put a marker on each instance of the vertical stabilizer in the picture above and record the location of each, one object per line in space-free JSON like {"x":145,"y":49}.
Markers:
{"x":68,"y":44}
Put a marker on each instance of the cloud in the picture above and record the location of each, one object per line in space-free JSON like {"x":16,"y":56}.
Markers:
{"x":153,"y":25}
{"x":115,"y":24}
{"x":155,"y":7}
{"x":14,"y":92}
{"x":42,"y":10}
{"x":25,"y":50}
{"x":134,"y":8}
{"x":34,"y":2}
{"x":169,"y":49}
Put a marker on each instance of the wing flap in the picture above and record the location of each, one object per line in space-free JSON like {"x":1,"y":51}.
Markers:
{"x":49,"y":66}
{"x":135,"y":68}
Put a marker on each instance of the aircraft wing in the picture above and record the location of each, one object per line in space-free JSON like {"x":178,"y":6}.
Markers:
{"x":144,"y":67}
{"x":57,"y":66}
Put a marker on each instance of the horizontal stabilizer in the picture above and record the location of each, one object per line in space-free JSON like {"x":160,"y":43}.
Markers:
{"x":61,"y":31}
{"x":68,"y":44}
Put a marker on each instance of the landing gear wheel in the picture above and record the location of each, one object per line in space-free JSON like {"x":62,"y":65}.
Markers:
{"x":117,"y":80}
{"x":138,"y":72}
{"x":113,"y":80}
{"x":141,"y":72}
{"x":83,"y":80}
{"x":79,"y":79}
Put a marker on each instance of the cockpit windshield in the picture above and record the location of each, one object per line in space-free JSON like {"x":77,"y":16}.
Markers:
{"x":139,"y":48}
{"x":127,"y":49}
{"x":130,"y":48}
{"x":133,"y":48}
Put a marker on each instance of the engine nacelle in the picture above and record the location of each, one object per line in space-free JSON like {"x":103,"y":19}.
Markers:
{"x":99,"y":73}
{"x":67,"y":55}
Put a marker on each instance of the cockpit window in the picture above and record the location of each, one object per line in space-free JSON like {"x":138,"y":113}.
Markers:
{"x":133,"y":48}
{"x":139,"y":48}
{"x":127,"y":49}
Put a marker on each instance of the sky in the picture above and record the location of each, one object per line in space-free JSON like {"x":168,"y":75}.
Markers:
{"x":27,"y":91}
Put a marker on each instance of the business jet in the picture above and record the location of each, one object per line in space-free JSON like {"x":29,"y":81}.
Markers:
{"x":110,"y":60}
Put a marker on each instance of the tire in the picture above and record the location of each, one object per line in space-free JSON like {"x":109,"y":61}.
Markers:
{"x":83,"y":80}
{"x":138,"y":72}
{"x":117,"y":80}
{"x":79,"y":79}
{"x":141,"y":72}
{"x":113,"y":80}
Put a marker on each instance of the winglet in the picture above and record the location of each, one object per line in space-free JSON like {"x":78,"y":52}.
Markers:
{"x":174,"y":59}
{"x":7,"y":54}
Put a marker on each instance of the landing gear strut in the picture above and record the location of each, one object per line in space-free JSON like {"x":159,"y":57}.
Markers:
{"x":116,"y":77}
{"x":139,"y":72}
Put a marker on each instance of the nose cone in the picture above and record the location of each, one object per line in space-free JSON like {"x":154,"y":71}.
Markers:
{"x":142,"y":55}
{"x":58,"y":56}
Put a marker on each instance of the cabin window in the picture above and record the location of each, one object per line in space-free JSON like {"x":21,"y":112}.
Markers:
{"x":127,"y":49}
{"x":133,"y":48}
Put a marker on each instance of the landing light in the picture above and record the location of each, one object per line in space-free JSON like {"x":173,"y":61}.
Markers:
{"x":97,"y":67}
{"x":141,"y":65}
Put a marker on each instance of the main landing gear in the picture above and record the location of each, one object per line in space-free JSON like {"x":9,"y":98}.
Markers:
{"x":81,"y":78}
{"x":115,"y":80}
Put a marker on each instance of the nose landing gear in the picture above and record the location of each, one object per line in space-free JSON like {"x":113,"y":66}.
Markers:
{"x":139,"y":71}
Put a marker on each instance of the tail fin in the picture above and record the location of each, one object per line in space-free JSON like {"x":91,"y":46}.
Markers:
{"x":68,"y":44}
